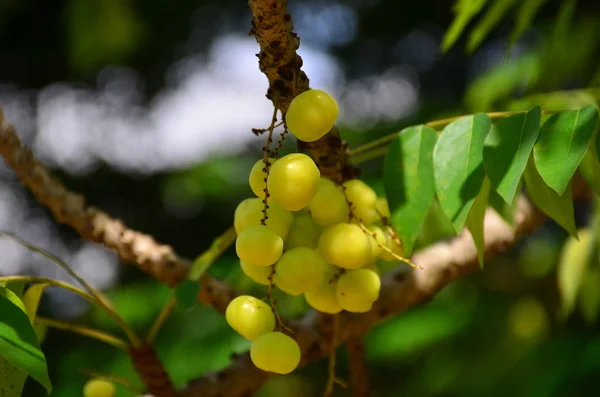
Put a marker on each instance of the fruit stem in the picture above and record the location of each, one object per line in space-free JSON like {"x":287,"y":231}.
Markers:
{"x":160,"y":320}
{"x":280,"y":141}
{"x":388,"y":250}
{"x":85,"y":331}
{"x":374,"y":150}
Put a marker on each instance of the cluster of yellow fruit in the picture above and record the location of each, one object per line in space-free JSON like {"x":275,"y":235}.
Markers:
{"x":313,"y":237}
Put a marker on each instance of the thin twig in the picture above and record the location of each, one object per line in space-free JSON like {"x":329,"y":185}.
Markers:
{"x":84,"y":331}
{"x":161,"y":319}
{"x":100,"y":299}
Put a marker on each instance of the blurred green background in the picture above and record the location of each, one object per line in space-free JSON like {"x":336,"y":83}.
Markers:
{"x":493,"y":334}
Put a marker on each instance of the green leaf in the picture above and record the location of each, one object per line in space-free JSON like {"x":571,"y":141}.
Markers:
{"x":558,"y":207}
{"x":590,"y":168}
{"x":574,"y":259}
{"x":408,"y":181}
{"x":492,"y":17}
{"x":458,"y":166}
{"x":18,"y":341}
{"x":12,"y":379}
{"x":564,"y":139}
{"x":465,"y":10}
{"x":186,"y":294}
{"x":525,"y":17}
{"x":502,"y":208}
{"x":475,"y":219}
{"x":507,"y":149}
{"x":31,"y":300}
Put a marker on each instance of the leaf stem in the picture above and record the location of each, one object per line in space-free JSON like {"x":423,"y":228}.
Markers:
{"x":161,"y":319}
{"x":373,"y":148}
{"x":85,"y":331}
{"x":208,"y":257}
{"x":99,"y":300}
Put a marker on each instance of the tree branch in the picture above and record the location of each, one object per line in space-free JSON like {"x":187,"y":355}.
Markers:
{"x":358,"y":369}
{"x":401,"y":290}
{"x":274,"y":31}
{"x":158,"y":260}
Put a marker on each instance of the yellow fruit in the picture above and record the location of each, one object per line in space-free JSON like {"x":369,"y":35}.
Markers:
{"x":293,"y":181}
{"x":358,"y":289}
{"x":311,"y":115}
{"x":324,"y":297}
{"x":329,"y":206}
{"x":250,"y":213}
{"x":345,"y":245}
{"x":382,"y":207}
{"x":258,"y":177}
{"x":299,"y":270}
{"x":303,"y":233}
{"x":363,"y":200}
{"x":275,"y":352}
{"x":99,"y":388}
{"x":260,"y":274}
{"x":259,"y":245}
{"x":250,"y":317}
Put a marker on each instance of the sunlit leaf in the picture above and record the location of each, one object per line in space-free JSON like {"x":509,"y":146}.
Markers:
{"x":491,"y":18}
{"x":557,"y":207}
{"x":18,"y":341}
{"x":574,"y":259}
{"x":465,"y":10}
{"x":458,"y":166}
{"x":475,"y":219}
{"x":409,"y":182}
{"x":564,"y":139}
{"x":507,"y":149}
{"x":31,"y":300}
{"x":525,"y":16}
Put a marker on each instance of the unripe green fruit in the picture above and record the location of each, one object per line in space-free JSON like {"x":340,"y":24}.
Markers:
{"x":311,"y":115}
{"x":258,"y":177}
{"x":275,"y":352}
{"x":259,"y":274}
{"x":250,"y":213}
{"x":250,"y":317}
{"x":293,"y":180}
{"x":303,"y":233}
{"x":99,"y":388}
{"x":345,"y":245}
{"x":259,"y":245}
{"x":299,"y":270}
{"x":329,"y":206}
{"x":358,"y":289}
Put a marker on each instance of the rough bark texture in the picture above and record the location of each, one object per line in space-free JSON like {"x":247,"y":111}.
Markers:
{"x":151,"y":371}
{"x":158,"y":260}
{"x":401,"y":290}
{"x":274,"y":31}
